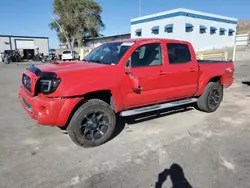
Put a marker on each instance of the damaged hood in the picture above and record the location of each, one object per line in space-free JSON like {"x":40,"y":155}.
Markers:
{"x":70,"y":66}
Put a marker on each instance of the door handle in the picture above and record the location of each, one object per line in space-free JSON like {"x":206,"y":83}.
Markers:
{"x":162,"y":73}
{"x":192,"y":70}
{"x":129,"y":73}
{"x":137,"y":90}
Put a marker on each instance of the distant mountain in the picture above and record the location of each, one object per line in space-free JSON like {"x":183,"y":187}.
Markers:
{"x":243,"y":27}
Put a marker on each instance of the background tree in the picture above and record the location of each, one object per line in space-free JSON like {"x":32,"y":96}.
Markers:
{"x":74,"y":20}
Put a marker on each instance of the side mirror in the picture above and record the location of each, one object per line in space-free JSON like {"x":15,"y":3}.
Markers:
{"x":128,"y":64}
{"x":135,"y":86}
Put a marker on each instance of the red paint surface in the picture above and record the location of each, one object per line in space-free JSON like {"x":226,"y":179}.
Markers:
{"x":159,"y":83}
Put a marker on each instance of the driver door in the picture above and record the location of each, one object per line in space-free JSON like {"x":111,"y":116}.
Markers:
{"x":146,"y":65}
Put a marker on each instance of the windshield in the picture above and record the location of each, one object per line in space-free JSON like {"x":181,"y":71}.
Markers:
{"x":109,"y":53}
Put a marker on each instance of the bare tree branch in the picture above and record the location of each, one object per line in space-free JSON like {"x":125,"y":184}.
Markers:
{"x":76,"y":19}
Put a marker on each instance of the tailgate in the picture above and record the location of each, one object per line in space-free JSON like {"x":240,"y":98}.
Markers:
{"x":65,"y":56}
{"x":228,"y":75}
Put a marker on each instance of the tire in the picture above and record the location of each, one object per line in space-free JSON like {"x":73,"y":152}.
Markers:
{"x":204,"y":101}
{"x":84,"y":116}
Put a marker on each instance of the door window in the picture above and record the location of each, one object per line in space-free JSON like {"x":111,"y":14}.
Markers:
{"x":147,"y":55}
{"x":178,"y":53}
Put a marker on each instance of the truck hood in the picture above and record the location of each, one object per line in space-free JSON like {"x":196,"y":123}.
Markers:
{"x":70,"y":67}
{"x":73,"y":75}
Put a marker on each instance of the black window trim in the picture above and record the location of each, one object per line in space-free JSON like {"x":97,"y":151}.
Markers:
{"x":155,"y":32}
{"x":230,"y":33}
{"x":138,"y":34}
{"x":169,"y":30}
{"x":181,"y":62}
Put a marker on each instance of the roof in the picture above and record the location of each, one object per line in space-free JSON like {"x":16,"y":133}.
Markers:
{"x":109,"y":36}
{"x":183,"y":12}
{"x":146,"y":39}
{"x":16,"y":36}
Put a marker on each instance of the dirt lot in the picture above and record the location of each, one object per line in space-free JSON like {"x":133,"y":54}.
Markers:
{"x":184,"y":148}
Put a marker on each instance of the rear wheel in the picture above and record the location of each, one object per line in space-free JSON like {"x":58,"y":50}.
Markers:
{"x":92,"y":124}
{"x":211,"y":98}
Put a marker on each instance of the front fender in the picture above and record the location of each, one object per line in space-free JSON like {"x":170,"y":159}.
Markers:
{"x":66,"y":110}
{"x":81,"y":90}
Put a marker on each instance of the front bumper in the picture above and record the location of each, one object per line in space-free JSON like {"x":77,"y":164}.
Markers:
{"x":45,"y":110}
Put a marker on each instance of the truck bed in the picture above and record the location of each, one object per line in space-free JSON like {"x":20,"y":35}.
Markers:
{"x":208,"y":61}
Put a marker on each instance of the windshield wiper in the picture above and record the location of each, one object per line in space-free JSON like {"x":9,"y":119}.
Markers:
{"x":85,"y":60}
{"x":95,"y":61}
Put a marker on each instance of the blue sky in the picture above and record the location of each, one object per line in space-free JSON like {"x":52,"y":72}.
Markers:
{"x":31,"y":17}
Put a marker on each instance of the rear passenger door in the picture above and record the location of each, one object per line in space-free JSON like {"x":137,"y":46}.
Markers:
{"x":182,"y":71}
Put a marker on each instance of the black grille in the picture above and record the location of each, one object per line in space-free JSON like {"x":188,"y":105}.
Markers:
{"x":27,"y":105}
{"x":26,"y":82}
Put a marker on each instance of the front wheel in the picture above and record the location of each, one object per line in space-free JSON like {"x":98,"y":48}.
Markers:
{"x":211,"y":98}
{"x":93,"y":124}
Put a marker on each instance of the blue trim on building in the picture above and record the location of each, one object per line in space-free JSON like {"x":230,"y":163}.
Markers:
{"x":222,"y":29}
{"x":189,"y":25}
{"x":15,"y":44}
{"x":181,"y":13}
{"x":10,"y":43}
{"x":138,"y":30}
{"x":203,"y":27}
{"x":169,"y":26}
{"x":213,"y":28}
{"x":24,"y":37}
{"x":155,"y":28}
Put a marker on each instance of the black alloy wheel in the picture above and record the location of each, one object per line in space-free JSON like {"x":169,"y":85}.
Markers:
{"x":94,"y":125}
{"x":211,"y":97}
{"x":214,"y":98}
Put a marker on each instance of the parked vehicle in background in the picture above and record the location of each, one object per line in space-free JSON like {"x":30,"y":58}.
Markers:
{"x":123,"y":78}
{"x":47,"y":58}
{"x":14,"y":55}
{"x":70,"y":55}
{"x":40,"y":57}
{"x":52,"y":51}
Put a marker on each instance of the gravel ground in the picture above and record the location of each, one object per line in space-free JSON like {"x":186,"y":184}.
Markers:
{"x":180,"y":149}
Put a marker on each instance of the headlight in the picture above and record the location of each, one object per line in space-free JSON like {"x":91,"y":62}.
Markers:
{"x":48,"y":86}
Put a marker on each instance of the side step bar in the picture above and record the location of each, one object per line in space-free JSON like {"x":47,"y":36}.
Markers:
{"x":157,"y":107}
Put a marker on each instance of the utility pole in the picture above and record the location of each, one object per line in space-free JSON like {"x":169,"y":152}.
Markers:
{"x":139,"y":7}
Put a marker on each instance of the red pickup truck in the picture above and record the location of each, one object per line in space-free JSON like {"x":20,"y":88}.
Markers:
{"x":125,"y":78}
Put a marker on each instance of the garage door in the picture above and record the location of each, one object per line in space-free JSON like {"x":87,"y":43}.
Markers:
{"x":25,"y":44}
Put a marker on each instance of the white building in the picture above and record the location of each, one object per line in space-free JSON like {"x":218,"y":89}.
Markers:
{"x":203,"y":30}
{"x":97,"y":41}
{"x":27,"y":44}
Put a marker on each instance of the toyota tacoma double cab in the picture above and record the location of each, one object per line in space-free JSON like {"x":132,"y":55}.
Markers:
{"x":124,"y":78}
